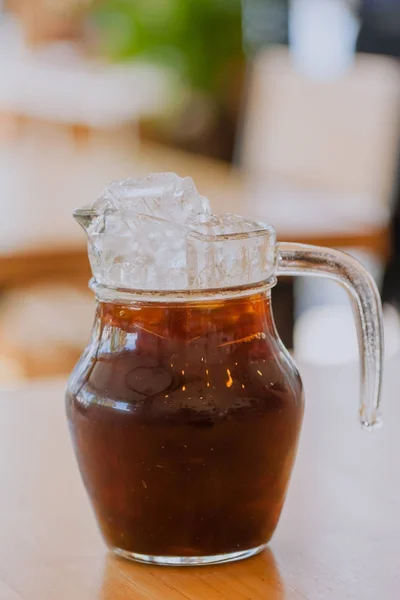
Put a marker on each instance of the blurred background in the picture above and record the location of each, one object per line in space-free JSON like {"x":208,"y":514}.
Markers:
{"x":285,"y":110}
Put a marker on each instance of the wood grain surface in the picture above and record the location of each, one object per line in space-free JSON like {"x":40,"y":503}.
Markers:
{"x":338,"y":538}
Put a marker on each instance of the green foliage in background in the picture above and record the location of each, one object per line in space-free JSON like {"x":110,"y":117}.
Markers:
{"x":198,"y":38}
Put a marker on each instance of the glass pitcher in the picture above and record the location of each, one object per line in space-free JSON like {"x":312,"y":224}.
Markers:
{"x":185,"y":408}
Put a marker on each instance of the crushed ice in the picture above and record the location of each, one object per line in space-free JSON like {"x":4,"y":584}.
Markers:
{"x":153,"y":233}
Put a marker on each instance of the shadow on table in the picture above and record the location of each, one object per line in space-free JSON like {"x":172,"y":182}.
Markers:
{"x":256,"y":577}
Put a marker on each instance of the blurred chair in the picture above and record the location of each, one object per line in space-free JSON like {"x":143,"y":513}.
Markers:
{"x":320,"y":158}
{"x":321,"y":155}
{"x":43,"y":330}
{"x":42,"y":20}
{"x":68,"y":125}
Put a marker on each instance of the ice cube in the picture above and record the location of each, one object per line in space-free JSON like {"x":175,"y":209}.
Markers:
{"x":162,"y":195}
{"x":224,"y":260}
{"x":143,"y":253}
{"x":224,"y":224}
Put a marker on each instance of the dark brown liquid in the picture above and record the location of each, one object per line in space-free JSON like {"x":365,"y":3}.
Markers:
{"x":185,"y":420}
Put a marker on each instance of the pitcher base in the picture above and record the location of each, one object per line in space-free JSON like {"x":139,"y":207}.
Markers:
{"x":188,"y":561}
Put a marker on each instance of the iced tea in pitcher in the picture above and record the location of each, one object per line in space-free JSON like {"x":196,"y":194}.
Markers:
{"x":185,"y":409}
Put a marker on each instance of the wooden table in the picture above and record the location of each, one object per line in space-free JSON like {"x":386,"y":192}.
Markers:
{"x":338,"y":538}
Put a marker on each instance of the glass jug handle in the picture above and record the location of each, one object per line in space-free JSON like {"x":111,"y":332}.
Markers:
{"x":302,"y":259}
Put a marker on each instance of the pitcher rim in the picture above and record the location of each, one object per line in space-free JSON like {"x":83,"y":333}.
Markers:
{"x":118,"y":295}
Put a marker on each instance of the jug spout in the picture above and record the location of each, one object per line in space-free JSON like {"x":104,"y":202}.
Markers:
{"x":84,"y":217}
